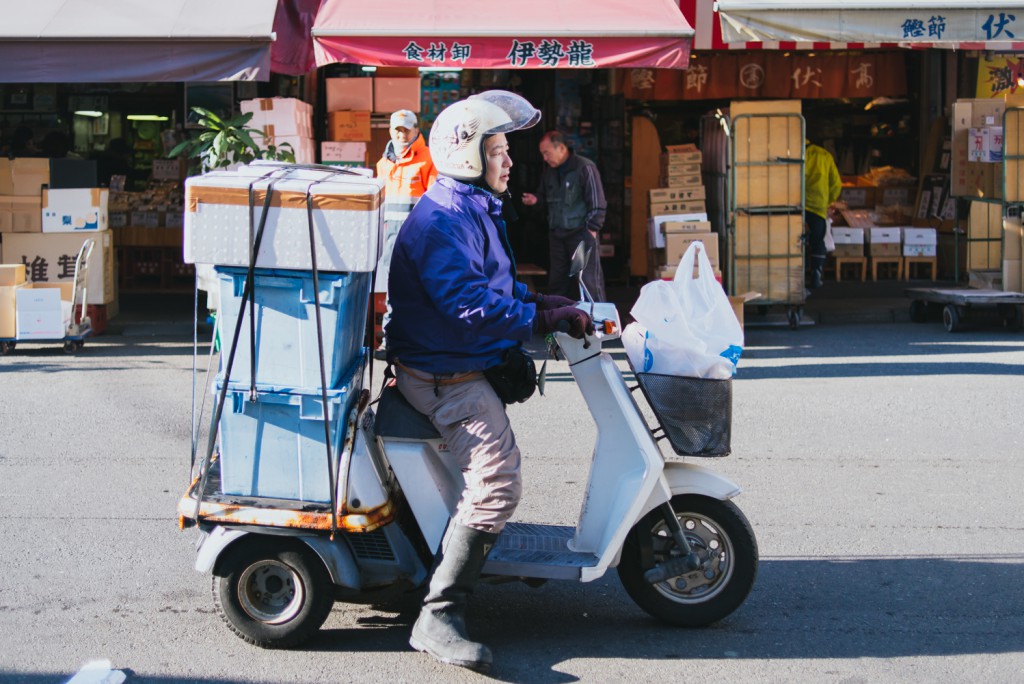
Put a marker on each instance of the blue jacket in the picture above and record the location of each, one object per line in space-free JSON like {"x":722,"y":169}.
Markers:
{"x":456,"y":306}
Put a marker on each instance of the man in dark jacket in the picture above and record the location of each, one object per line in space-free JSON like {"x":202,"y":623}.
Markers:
{"x":572,"y":191}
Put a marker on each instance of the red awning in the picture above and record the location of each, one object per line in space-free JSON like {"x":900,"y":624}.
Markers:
{"x":488,"y":34}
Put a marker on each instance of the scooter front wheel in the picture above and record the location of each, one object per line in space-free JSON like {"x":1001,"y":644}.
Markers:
{"x":722,"y":538}
{"x":272,"y":592}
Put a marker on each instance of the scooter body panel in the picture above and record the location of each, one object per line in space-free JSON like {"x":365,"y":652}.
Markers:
{"x":431,"y":483}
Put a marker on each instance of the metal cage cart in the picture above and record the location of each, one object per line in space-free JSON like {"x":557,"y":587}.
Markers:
{"x":77,"y":325}
{"x":958,"y":305}
{"x":766,"y":204}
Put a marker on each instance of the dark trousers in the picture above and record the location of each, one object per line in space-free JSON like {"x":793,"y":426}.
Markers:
{"x":816,"y":252}
{"x":563,"y":244}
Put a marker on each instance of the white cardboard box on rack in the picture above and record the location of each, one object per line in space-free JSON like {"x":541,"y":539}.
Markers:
{"x":347,"y":215}
{"x":919,"y":242}
{"x":75,"y":210}
{"x":343,"y":151}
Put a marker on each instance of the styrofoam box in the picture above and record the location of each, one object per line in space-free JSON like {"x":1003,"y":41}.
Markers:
{"x":347,"y":218}
{"x":42,"y":313}
{"x":287,"y":354}
{"x":331,"y":151}
{"x":848,"y":236}
{"x":880,"y":235}
{"x":275,"y":447}
{"x":919,"y":236}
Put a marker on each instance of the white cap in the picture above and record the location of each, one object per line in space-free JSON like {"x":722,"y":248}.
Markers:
{"x":404,"y":118}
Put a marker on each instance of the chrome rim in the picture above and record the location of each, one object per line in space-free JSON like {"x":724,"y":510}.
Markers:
{"x":271,"y":592}
{"x":712,"y":545}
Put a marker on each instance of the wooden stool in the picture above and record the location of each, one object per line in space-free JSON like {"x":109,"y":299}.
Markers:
{"x":876,"y":260}
{"x":527,"y":272}
{"x":856,"y":261}
{"x":930,"y":261}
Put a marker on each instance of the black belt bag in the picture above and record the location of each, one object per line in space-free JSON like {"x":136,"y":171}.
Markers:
{"x":514,"y":379}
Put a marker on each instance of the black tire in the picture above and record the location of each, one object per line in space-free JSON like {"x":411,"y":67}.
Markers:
{"x":708,"y":524}
{"x":272,"y":592}
{"x":6,"y":347}
{"x":70,"y":347}
{"x":951,"y":318}
{"x":918,"y":311}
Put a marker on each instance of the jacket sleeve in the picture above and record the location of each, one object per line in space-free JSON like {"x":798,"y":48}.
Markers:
{"x":835,"y":183}
{"x":450,"y":261}
{"x":593,"y":195}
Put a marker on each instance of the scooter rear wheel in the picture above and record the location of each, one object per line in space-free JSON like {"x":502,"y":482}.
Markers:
{"x":720,"y":534}
{"x":272,"y":592}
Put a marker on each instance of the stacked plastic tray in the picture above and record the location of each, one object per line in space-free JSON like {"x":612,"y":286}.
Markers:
{"x":273,"y":439}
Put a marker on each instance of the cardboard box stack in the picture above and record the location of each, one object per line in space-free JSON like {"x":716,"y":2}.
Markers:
{"x":21,"y":184}
{"x":1013,"y":254}
{"x":44,"y":229}
{"x":677,"y":214}
{"x":978,"y":149}
{"x":283,"y":120}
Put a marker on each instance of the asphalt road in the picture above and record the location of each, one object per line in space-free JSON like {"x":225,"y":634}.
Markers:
{"x":882,"y":473}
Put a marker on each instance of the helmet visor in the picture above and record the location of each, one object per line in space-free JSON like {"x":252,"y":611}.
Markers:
{"x":520,"y":112}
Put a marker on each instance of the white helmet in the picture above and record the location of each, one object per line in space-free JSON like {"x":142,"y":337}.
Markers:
{"x":457,"y":135}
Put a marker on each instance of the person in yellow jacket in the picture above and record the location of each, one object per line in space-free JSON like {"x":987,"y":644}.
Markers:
{"x":407,"y":171}
{"x":822,"y":186}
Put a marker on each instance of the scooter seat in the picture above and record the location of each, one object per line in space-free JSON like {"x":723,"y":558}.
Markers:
{"x":397,"y":418}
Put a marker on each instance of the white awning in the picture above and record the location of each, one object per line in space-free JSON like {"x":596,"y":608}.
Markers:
{"x":66,"y":41}
{"x":992,"y":25}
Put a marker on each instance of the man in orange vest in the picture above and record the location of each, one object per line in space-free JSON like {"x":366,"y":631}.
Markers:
{"x":407,"y":170}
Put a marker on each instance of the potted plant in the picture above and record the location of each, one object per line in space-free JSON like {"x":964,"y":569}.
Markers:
{"x":228,"y":141}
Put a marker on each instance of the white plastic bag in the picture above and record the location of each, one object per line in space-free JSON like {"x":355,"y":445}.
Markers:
{"x":830,"y":242}
{"x":688,"y":326}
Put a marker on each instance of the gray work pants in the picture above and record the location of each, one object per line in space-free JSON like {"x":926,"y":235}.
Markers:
{"x":473,"y":423}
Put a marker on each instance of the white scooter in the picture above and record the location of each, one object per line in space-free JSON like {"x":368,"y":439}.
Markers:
{"x":684,"y":552}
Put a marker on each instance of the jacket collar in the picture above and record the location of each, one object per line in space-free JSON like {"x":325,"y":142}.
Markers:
{"x":409,"y":152}
{"x":485,"y":199}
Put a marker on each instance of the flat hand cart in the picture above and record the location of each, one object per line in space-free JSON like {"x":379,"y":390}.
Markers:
{"x":958,"y":304}
{"x":80,"y":325}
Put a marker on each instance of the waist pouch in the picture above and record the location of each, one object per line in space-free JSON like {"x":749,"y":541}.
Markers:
{"x":514,"y":379}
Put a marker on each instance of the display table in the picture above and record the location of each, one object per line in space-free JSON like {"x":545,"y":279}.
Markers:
{"x":931,"y":262}
{"x":896,"y":261}
{"x":861,"y":262}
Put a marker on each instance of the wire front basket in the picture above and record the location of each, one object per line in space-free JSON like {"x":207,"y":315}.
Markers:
{"x":696,"y":414}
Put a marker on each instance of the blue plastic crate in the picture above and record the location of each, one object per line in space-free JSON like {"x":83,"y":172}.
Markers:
{"x":274,"y":447}
{"x":286,"y":343}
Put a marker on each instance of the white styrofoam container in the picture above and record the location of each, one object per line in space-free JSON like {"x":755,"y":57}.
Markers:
{"x":919,"y":250}
{"x":848,"y":236}
{"x":920,"y":236}
{"x":879,"y":236}
{"x":41,"y":314}
{"x":343,"y":151}
{"x":347,"y":218}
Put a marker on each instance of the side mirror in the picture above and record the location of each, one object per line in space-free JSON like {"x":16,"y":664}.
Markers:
{"x":579,"y":261}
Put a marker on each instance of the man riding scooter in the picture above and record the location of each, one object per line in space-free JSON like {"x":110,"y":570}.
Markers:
{"x":458,"y":312}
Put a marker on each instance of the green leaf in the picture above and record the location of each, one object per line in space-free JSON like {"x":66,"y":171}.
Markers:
{"x":244,"y":135}
{"x":179,"y":148}
{"x":207,"y":114}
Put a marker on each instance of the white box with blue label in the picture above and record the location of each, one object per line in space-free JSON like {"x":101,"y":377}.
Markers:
{"x":287,"y":353}
{"x":276,"y":446}
{"x":75,"y":210}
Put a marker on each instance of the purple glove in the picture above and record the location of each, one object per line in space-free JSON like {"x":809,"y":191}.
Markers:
{"x":548,"y":302}
{"x":575,"y":320}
